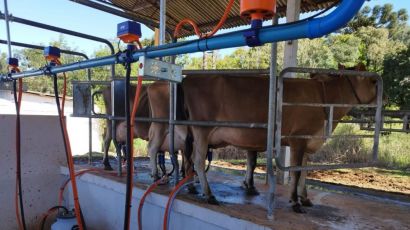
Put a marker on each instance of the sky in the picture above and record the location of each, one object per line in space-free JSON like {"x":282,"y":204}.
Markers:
{"x":73,"y":16}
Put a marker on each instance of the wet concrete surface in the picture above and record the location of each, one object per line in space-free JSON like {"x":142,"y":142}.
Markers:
{"x":331,"y":210}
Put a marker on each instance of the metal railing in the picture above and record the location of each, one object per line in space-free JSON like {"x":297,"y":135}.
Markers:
{"x":330,"y":120}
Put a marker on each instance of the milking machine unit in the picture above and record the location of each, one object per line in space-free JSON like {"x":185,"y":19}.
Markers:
{"x":129,"y":32}
{"x":256,"y":11}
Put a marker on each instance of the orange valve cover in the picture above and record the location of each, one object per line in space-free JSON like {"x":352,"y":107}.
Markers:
{"x":258,"y":9}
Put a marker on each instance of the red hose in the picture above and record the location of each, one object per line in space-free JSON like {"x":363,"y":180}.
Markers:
{"x":18,"y":151}
{"x":142,"y":201}
{"x":196,"y":28}
{"x":70,"y":161}
{"x":174,"y":190}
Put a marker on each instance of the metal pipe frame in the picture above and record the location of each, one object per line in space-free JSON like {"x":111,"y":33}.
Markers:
{"x":279,"y":101}
{"x":61,"y":30}
{"x":271,"y":178}
{"x":311,"y":28}
{"x":7,"y":19}
{"x":30,"y":46}
{"x":120,"y":13}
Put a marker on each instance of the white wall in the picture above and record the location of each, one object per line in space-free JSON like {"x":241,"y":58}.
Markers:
{"x":34,"y":104}
{"x":42,"y":154}
{"x":102,"y":202}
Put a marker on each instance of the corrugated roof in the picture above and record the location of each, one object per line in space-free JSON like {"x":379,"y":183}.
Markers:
{"x":206,"y":13}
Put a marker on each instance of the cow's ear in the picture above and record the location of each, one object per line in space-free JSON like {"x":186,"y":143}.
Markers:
{"x":321,"y":77}
{"x":340,"y":66}
{"x":360,"y":67}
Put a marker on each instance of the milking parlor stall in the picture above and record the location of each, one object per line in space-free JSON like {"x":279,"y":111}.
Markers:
{"x":283,"y":117}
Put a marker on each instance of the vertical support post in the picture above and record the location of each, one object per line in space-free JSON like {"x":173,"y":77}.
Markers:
{"x":271,"y":125}
{"x":90,"y":126}
{"x":291,"y":47}
{"x":330,"y":122}
{"x":172,"y":95}
{"x":283,"y":176}
{"x":6,"y":19}
{"x":378,"y":118}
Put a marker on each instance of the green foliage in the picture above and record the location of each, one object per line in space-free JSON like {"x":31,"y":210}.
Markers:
{"x":345,"y":48}
{"x":394,"y":150}
{"x":315,"y":53}
{"x":396,"y":77}
{"x":378,"y":17}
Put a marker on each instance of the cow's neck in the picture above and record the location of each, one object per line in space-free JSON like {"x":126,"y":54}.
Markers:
{"x":340,"y":91}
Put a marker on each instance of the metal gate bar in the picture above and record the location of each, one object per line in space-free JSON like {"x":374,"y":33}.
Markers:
{"x":280,"y":103}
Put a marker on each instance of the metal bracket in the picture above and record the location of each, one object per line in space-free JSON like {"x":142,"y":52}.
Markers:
{"x":159,"y":70}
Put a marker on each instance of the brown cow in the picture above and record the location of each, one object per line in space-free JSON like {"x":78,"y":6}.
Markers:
{"x":158,"y":133}
{"x":245,"y":99}
{"x":141,"y":129}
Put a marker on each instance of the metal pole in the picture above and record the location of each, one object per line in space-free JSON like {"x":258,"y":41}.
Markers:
{"x":6,"y":18}
{"x":172,"y":94}
{"x":30,"y":46}
{"x":61,"y":30}
{"x":271,"y":125}
{"x":312,"y":28}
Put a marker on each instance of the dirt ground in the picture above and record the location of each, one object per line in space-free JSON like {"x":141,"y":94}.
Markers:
{"x":394,"y":181}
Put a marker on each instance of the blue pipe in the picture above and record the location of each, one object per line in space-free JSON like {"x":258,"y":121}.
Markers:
{"x":313,"y":28}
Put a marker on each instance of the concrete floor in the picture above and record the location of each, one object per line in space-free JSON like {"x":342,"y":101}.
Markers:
{"x":331,"y":210}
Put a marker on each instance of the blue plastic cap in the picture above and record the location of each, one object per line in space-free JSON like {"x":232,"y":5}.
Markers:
{"x":129,"y":27}
{"x":51,"y":51}
{"x":13,"y":61}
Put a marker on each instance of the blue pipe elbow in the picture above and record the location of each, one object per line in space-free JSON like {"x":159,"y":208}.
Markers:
{"x":336,"y":20}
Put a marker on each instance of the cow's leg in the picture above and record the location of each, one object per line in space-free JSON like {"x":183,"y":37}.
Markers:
{"x":302,"y":191}
{"x":200,"y":150}
{"x":250,"y":168}
{"x":107,"y":142}
{"x":296,"y":160}
{"x":154,"y":145}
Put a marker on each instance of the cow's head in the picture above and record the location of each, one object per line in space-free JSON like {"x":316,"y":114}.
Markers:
{"x":363,"y":88}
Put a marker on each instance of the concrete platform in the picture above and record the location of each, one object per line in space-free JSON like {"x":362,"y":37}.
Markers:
{"x":102,"y":199}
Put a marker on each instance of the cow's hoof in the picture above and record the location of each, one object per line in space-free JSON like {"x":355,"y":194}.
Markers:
{"x":156,"y":178}
{"x":212,"y":200}
{"x":306,"y":203}
{"x":298,"y":208}
{"x":192,"y":190}
{"x":252,"y":191}
{"x":108,"y":167}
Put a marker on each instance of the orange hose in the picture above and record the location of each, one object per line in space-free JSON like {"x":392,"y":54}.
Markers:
{"x":176,"y":188}
{"x":78,"y":173}
{"x":69,"y":155}
{"x":196,"y":28}
{"x":17,"y":191}
{"x":64,"y":88}
{"x":142,"y":201}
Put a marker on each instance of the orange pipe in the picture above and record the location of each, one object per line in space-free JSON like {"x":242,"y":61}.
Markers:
{"x":196,"y":28}
{"x":181,"y":183}
{"x":17,"y":191}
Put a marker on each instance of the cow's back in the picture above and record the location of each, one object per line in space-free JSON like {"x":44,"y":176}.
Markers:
{"x":245,"y":99}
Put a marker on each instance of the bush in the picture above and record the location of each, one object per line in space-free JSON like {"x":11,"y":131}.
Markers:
{"x":343,"y":149}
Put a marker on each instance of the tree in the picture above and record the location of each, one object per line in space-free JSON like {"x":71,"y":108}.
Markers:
{"x":315,"y":53}
{"x":396,"y":77}
{"x":376,"y":46}
{"x":378,"y":17}
{"x":345,"y":48}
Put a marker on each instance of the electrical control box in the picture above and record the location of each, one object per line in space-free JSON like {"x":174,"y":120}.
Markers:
{"x":129,"y":31}
{"x":159,"y":70}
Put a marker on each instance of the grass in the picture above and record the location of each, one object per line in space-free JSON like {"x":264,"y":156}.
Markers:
{"x":394,"y":148}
